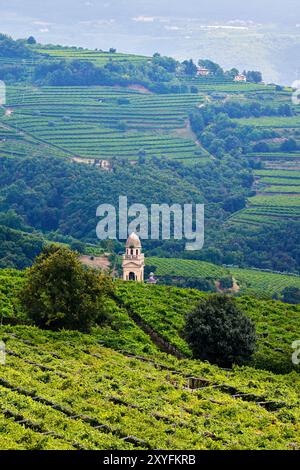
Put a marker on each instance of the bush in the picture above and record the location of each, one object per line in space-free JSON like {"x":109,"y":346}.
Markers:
{"x":219,"y":332}
{"x":60,"y":293}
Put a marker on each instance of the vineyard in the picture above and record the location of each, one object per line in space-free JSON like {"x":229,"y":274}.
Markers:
{"x":105,"y":122}
{"x":98,"y":57}
{"x":273,"y":122}
{"x":64,"y":391}
{"x":186,"y":268}
{"x":164,"y":309}
{"x":277,"y":183}
{"x":251,"y":281}
{"x":116,"y":389}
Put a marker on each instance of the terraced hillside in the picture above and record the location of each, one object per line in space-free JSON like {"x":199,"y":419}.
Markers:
{"x":96,"y":56}
{"x":106,"y":122}
{"x":277,"y":182}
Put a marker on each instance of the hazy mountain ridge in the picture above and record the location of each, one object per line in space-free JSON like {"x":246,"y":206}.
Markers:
{"x":251,"y":36}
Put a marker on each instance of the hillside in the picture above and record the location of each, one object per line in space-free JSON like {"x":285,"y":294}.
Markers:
{"x":161,"y":310}
{"x":116,"y":389}
{"x":233,"y":146}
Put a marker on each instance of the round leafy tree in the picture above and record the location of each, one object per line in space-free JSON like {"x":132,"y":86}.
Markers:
{"x":61,"y":293}
{"x":217,"y":331}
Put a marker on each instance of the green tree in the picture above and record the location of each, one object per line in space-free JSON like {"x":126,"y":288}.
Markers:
{"x":289,"y":145}
{"x":261,"y":147}
{"x":31,"y":40}
{"x":291,"y":295}
{"x":214,"y":68}
{"x":219,"y":332}
{"x":189,"y":67}
{"x":61,"y":293}
{"x":254,"y":76}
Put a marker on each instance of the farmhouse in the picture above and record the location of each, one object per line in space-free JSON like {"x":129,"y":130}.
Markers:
{"x":240,"y":78}
{"x":202,"y":72}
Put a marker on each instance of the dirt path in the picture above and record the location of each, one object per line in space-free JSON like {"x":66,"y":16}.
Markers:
{"x":96,"y":262}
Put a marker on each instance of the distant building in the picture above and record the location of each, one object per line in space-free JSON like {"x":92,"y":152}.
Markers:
{"x":202,"y":72}
{"x":133,"y":261}
{"x":151,"y":279}
{"x":240,"y":78}
{"x":104,"y":164}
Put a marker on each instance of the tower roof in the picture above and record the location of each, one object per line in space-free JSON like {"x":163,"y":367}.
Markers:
{"x":133,"y":241}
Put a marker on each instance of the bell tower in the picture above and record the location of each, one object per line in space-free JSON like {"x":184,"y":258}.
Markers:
{"x":133,"y":261}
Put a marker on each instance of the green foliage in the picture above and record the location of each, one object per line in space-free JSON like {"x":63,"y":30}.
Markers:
{"x":219,"y":332}
{"x":18,"y":249}
{"x":239,"y":127}
{"x":11,"y":281}
{"x":254,"y":76}
{"x":226,"y":282}
{"x":60,"y":293}
{"x":11,"y":48}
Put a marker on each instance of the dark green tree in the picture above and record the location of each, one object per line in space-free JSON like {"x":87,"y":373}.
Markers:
{"x":254,"y":76}
{"x":61,"y":293}
{"x":217,"y":331}
{"x":291,"y":295}
{"x":289,"y":145}
{"x":31,"y":40}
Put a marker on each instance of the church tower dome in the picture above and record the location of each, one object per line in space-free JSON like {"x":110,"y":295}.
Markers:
{"x":133,"y":241}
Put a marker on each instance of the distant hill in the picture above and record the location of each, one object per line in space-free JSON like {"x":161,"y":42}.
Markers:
{"x":123,"y":119}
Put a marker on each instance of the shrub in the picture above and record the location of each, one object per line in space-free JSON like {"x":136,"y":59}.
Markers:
{"x":219,"y":332}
